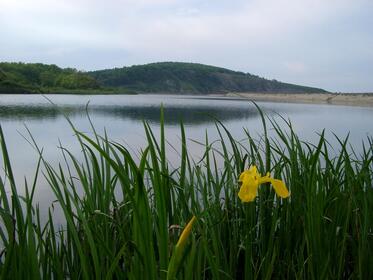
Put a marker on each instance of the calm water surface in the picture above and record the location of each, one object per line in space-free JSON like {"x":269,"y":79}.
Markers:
{"x":122,"y":117}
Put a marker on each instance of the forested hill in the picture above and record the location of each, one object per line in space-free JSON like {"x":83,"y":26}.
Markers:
{"x":42,"y":78}
{"x":195,"y":78}
{"x":163,"y":77}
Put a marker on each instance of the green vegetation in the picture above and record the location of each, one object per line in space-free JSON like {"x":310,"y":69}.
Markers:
{"x":123,"y":214}
{"x":41,"y":78}
{"x":166,"y":77}
{"x":176,"y":77}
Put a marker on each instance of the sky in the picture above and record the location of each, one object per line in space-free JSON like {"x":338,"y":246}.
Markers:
{"x":321,"y":43}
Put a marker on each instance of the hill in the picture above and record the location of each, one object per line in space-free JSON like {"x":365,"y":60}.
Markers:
{"x":42,"y":78}
{"x":163,"y":77}
{"x":176,"y":77}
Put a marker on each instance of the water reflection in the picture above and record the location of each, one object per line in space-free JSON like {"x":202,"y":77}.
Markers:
{"x":25,"y":112}
{"x":173,"y":114}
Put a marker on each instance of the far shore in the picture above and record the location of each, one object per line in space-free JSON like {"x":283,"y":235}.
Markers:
{"x":351,"y":99}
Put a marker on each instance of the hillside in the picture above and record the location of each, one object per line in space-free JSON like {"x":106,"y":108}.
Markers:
{"x":42,"y":78}
{"x":164,"y":77}
{"x":176,"y":77}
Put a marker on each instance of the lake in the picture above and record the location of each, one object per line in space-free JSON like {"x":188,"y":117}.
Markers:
{"x":122,"y":117}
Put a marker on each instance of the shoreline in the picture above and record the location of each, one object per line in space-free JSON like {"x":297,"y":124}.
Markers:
{"x":350,"y":99}
{"x":347,"y":99}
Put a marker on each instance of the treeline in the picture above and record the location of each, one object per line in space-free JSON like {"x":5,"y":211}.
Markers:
{"x":163,"y":77}
{"x":38,"y":78}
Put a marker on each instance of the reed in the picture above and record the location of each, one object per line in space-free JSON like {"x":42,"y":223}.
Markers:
{"x":123,"y":215}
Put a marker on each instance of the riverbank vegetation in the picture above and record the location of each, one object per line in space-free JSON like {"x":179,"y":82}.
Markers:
{"x":42,"y":78}
{"x":123,"y":214}
{"x":165,"y":77}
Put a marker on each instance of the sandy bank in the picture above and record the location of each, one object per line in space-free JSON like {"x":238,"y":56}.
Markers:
{"x":315,"y":98}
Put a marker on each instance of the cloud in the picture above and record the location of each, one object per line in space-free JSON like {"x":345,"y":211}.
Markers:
{"x":282,"y":39}
{"x":295,"y":66}
{"x":129,"y":23}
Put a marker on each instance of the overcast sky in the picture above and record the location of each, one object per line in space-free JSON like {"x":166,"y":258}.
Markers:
{"x":323,"y":43}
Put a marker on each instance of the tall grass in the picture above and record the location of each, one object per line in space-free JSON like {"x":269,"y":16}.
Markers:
{"x":129,"y":217}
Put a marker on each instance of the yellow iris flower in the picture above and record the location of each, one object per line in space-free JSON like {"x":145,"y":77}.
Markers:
{"x":177,"y":256}
{"x":251,"y":179}
{"x":186,"y":232}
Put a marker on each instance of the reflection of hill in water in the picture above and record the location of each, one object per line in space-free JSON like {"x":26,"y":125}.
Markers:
{"x":23,"y":112}
{"x":173,"y":114}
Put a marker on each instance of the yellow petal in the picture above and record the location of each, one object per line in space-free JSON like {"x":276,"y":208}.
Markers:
{"x":265,"y":179}
{"x":248,"y":193}
{"x":278,"y":185}
{"x":249,"y":180}
{"x":280,"y":188}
